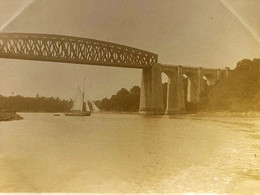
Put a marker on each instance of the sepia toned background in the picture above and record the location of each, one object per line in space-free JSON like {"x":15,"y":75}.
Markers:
{"x":118,"y":150}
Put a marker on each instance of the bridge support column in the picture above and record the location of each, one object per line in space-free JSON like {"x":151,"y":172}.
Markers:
{"x":151,"y":97}
{"x":181,"y":90}
{"x":200,"y":87}
{"x":218,"y":74}
{"x":175,"y":96}
{"x":194,"y":89}
{"x":227,"y":70}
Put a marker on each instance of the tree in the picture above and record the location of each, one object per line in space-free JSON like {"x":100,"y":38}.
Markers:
{"x":123,"y":101}
{"x":244,"y":64}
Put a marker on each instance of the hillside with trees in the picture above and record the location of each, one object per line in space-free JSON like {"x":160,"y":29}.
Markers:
{"x":240,"y":92}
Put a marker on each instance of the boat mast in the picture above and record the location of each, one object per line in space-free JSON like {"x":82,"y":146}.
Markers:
{"x":84,"y":106}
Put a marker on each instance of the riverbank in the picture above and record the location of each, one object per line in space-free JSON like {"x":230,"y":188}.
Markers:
{"x":9,"y":116}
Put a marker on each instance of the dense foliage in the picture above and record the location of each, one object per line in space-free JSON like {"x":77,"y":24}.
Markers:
{"x":29,"y":104}
{"x":239,"y":92}
{"x":247,"y":64}
{"x":123,"y":101}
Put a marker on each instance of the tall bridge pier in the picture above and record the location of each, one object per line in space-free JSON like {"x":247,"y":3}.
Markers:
{"x":151,"y":98}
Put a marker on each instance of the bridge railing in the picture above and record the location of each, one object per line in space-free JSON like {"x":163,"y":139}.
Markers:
{"x":46,"y":47}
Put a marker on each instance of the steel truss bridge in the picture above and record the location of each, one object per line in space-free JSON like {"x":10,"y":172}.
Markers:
{"x":67,"y":49}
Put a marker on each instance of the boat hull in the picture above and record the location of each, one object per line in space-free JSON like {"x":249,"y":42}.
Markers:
{"x":77,"y":114}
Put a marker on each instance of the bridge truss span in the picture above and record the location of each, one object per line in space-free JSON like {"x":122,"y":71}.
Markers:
{"x":58,"y":48}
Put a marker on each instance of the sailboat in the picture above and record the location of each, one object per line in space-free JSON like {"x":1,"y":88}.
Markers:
{"x":80,"y":105}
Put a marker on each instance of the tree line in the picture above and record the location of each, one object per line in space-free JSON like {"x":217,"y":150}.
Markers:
{"x":34,"y":104}
{"x":249,"y":65}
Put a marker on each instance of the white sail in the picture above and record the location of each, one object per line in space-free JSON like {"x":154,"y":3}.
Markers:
{"x":78,"y":101}
{"x":87,"y":107}
{"x":94,"y":107}
{"x":86,"y":101}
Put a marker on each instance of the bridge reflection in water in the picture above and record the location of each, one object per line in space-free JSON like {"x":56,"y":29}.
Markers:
{"x":68,"y":49}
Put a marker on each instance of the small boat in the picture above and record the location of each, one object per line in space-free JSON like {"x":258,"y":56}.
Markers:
{"x":80,"y":106}
{"x":56,"y":114}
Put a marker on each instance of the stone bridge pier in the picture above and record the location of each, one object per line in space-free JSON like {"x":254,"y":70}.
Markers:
{"x":151,"y":98}
{"x":185,"y":84}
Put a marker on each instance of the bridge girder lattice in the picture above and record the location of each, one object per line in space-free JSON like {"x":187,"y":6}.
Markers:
{"x":58,"y":48}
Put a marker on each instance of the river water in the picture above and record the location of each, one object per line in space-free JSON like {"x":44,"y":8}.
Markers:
{"x":127,"y":153}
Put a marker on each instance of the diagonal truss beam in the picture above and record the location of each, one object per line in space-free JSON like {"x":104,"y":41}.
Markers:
{"x":67,"y":49}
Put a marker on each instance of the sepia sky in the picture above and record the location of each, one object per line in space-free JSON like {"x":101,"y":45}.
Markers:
{"x":207,"y":33}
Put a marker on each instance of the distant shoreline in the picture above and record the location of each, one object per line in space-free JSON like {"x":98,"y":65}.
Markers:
{"x":9,"y":116}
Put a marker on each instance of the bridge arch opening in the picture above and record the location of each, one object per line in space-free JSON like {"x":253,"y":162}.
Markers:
{"x":190,"y":88}
{"x":171,"y":93}
{"x":210,"y":79}
{"x":188,"y":78}
{"x":207,"y":81}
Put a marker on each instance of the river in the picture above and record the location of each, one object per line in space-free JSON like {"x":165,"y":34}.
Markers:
{"x":128,"y":153}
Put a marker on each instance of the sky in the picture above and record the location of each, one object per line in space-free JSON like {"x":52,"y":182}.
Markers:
{"x":206,"y":33}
